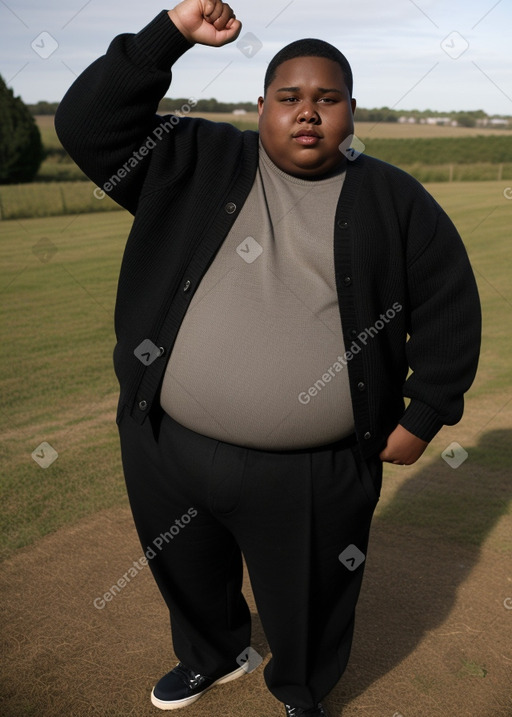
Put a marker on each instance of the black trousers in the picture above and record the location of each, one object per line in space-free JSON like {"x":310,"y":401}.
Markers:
{"x":301,"y":519}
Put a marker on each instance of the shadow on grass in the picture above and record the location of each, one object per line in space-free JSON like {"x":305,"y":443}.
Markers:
{"x":424,"y":545}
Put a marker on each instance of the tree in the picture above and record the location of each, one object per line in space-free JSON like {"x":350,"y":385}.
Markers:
{"x":465,"y":119}
{"x":21,"y":148}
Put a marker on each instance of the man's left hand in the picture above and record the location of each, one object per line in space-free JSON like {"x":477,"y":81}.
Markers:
{"x":402,"y":448}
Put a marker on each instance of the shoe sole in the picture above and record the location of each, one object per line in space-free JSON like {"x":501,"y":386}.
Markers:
{"x":177,"y":704}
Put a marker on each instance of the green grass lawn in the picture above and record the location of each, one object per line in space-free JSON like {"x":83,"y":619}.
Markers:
{"x":58,"y":286}
{"x":52,"y":198}
{"x":58,"y":283}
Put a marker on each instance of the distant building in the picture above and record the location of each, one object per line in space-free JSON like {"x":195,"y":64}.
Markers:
{"x":493,"y":122}
{"x":239,"y":112}
{"x":441,"y":121}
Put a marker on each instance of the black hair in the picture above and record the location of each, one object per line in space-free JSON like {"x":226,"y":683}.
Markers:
{"x":309,"y":47}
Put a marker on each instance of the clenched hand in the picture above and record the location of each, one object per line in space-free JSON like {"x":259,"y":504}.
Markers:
{"x":207,"y":22}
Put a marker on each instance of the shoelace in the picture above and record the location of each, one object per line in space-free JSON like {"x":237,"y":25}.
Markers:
{"x":191,"y":678}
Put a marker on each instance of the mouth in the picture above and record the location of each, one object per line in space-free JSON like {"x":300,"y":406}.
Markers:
{"x":307,"y":138}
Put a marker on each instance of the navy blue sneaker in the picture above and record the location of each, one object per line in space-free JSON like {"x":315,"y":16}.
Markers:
{"x":317,"y":711}
{"x":182,"y":686}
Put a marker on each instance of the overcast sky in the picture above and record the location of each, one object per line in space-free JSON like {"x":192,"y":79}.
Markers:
{"x":406,"y":54}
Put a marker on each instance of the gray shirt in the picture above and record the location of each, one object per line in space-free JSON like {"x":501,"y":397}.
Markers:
{"x":258,"y":358}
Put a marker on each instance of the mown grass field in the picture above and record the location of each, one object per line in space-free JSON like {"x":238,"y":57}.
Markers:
{"x":58,"y":286}
{"x":47,"y":199}
{"x":58,"y":282}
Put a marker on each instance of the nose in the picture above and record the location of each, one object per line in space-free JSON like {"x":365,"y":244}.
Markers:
{"x":308,"y":114}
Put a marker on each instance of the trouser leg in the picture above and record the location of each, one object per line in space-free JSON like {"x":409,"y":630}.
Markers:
{"x":298,"y":513}
{"x":194,"y":559}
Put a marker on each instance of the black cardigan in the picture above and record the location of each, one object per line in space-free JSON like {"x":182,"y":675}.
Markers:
{"x":185,"y":181}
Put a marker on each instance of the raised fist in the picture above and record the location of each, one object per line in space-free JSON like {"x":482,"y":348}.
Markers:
{"x":208,"y":22}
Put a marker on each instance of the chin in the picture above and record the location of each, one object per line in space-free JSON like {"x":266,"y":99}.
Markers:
{"x":315,"y":169}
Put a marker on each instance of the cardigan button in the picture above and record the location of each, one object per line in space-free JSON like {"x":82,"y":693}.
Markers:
{"x":367,"y":436}
{"x":353,"y":333}
{"x":186,"y":285}
{"x":143,"y":405}
{"x":347,"y":280}
{"x":230,"y":207}
{"x":361,"y":386}
{"x":342,"y":223}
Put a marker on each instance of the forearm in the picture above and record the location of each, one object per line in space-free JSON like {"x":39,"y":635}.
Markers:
{"x":109,"y":111}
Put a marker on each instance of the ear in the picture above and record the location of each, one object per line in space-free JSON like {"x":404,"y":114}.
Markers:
{"x":353,"y":103}
{"x":260,"y":106}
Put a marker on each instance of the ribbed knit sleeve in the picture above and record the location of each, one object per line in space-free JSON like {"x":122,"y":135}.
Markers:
{"x":445,"y":323}
{"x":109,"y":113}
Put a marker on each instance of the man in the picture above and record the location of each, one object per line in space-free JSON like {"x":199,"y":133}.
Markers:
{"x":272,"y":298}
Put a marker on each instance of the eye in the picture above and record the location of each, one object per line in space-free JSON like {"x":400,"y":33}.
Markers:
{"x":289,"y":99}
{"x":328,"y":100}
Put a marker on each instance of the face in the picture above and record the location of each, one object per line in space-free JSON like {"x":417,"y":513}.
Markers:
{"x":305,"y":115}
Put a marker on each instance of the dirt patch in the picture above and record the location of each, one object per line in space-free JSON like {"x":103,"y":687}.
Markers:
{"x":432,"y":635}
